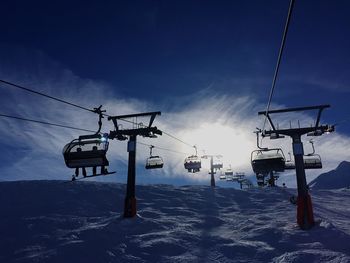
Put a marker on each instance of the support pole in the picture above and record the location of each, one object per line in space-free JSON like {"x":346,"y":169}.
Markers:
{"x":212,"y":172}
{"x":305,"y":217}
{"x":130,"y":200}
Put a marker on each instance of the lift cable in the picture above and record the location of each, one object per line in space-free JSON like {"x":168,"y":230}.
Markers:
{"x":79,"y":129}
{"x":75,"y":128}
{"x":78,"y":106}
{"x":43,"y":122}
{"x":172,"y":136}
{"x":279,"y":60}
{"x":44,"y":95}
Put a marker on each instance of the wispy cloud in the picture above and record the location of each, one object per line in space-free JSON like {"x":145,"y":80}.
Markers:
{"x":215,"y":123}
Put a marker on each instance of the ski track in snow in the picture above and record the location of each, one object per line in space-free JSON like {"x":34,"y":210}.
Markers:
{"x":55,"y":221}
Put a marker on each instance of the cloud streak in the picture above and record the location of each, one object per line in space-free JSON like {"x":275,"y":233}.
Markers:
{"x":215,"y":123}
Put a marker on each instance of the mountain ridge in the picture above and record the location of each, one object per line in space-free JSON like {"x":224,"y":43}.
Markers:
{"x":334,"y":179}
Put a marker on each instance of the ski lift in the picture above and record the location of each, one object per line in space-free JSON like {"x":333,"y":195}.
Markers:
{"x":193,"y":163}
{"x":229,"y":171}
{"x":312,"y":160}
{"x":266,"y":160}
{"x":217,"y":163}
{"x":237,"y":176}
{"x":222,"y":177}
{"x":229,"y":178}
{"x":154,"y":162}
{"x":87,"y":151}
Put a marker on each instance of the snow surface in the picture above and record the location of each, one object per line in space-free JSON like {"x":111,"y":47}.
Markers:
{"x":56,"y":221}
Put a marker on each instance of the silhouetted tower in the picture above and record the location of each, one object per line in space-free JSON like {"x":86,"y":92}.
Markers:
{"x":214,"y":166}
{"x":122,"y":134}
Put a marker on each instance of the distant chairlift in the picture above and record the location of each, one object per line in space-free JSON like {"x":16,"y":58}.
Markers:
{"x":229,"y":171}
{"x":223,"y":176}
{"x":217,"y":163}
{"x":193,"y":163}
{"x":154,"y":162}
{"x":87,"y":151}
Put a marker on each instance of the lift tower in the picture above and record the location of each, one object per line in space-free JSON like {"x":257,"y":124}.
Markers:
{"x":132,"y":133}
{"x":213,"y":167}
{"x":305,"y":218}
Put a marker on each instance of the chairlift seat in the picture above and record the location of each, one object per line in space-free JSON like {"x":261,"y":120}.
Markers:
{"x":154,"y":162}
{"x":313,"y":162}
{"x":85,"y":153}
{"x":229,"y":172}
{"x":309,"y":163}
{"x":264,"y":162}
{"x":217,"y":166}
{"x":193,"y":163}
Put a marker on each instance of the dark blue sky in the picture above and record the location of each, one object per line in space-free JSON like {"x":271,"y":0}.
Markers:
{"x":167,"y":48}
{"x":161,"y":52}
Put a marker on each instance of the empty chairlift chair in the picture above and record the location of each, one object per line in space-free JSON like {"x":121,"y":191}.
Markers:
{"x":87,"y":151}
{"x":312,"y":160}
{"x":154,"y":162}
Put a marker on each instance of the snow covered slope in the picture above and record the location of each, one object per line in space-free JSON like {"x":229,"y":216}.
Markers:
{"x":335,"y":179}
{"x":56,"y":221}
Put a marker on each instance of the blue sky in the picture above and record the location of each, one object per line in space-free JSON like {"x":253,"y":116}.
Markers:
{"x":199,"y":62}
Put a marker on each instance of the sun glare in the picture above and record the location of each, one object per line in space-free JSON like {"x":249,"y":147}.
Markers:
{"x":234,"y":144}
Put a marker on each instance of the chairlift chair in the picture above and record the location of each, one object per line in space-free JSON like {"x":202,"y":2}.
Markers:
{"x":264,"y":161}
{"x":229,"y":171}
{"x":193,"y":163}
{"x":223,"y":177}
{"x":154,"y":162}
{"x":217,"y":163}
{"x":312,"y":160}
{"x":87,"y":151}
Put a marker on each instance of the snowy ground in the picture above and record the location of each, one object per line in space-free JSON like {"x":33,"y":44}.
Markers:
{"x":55,"y":221}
